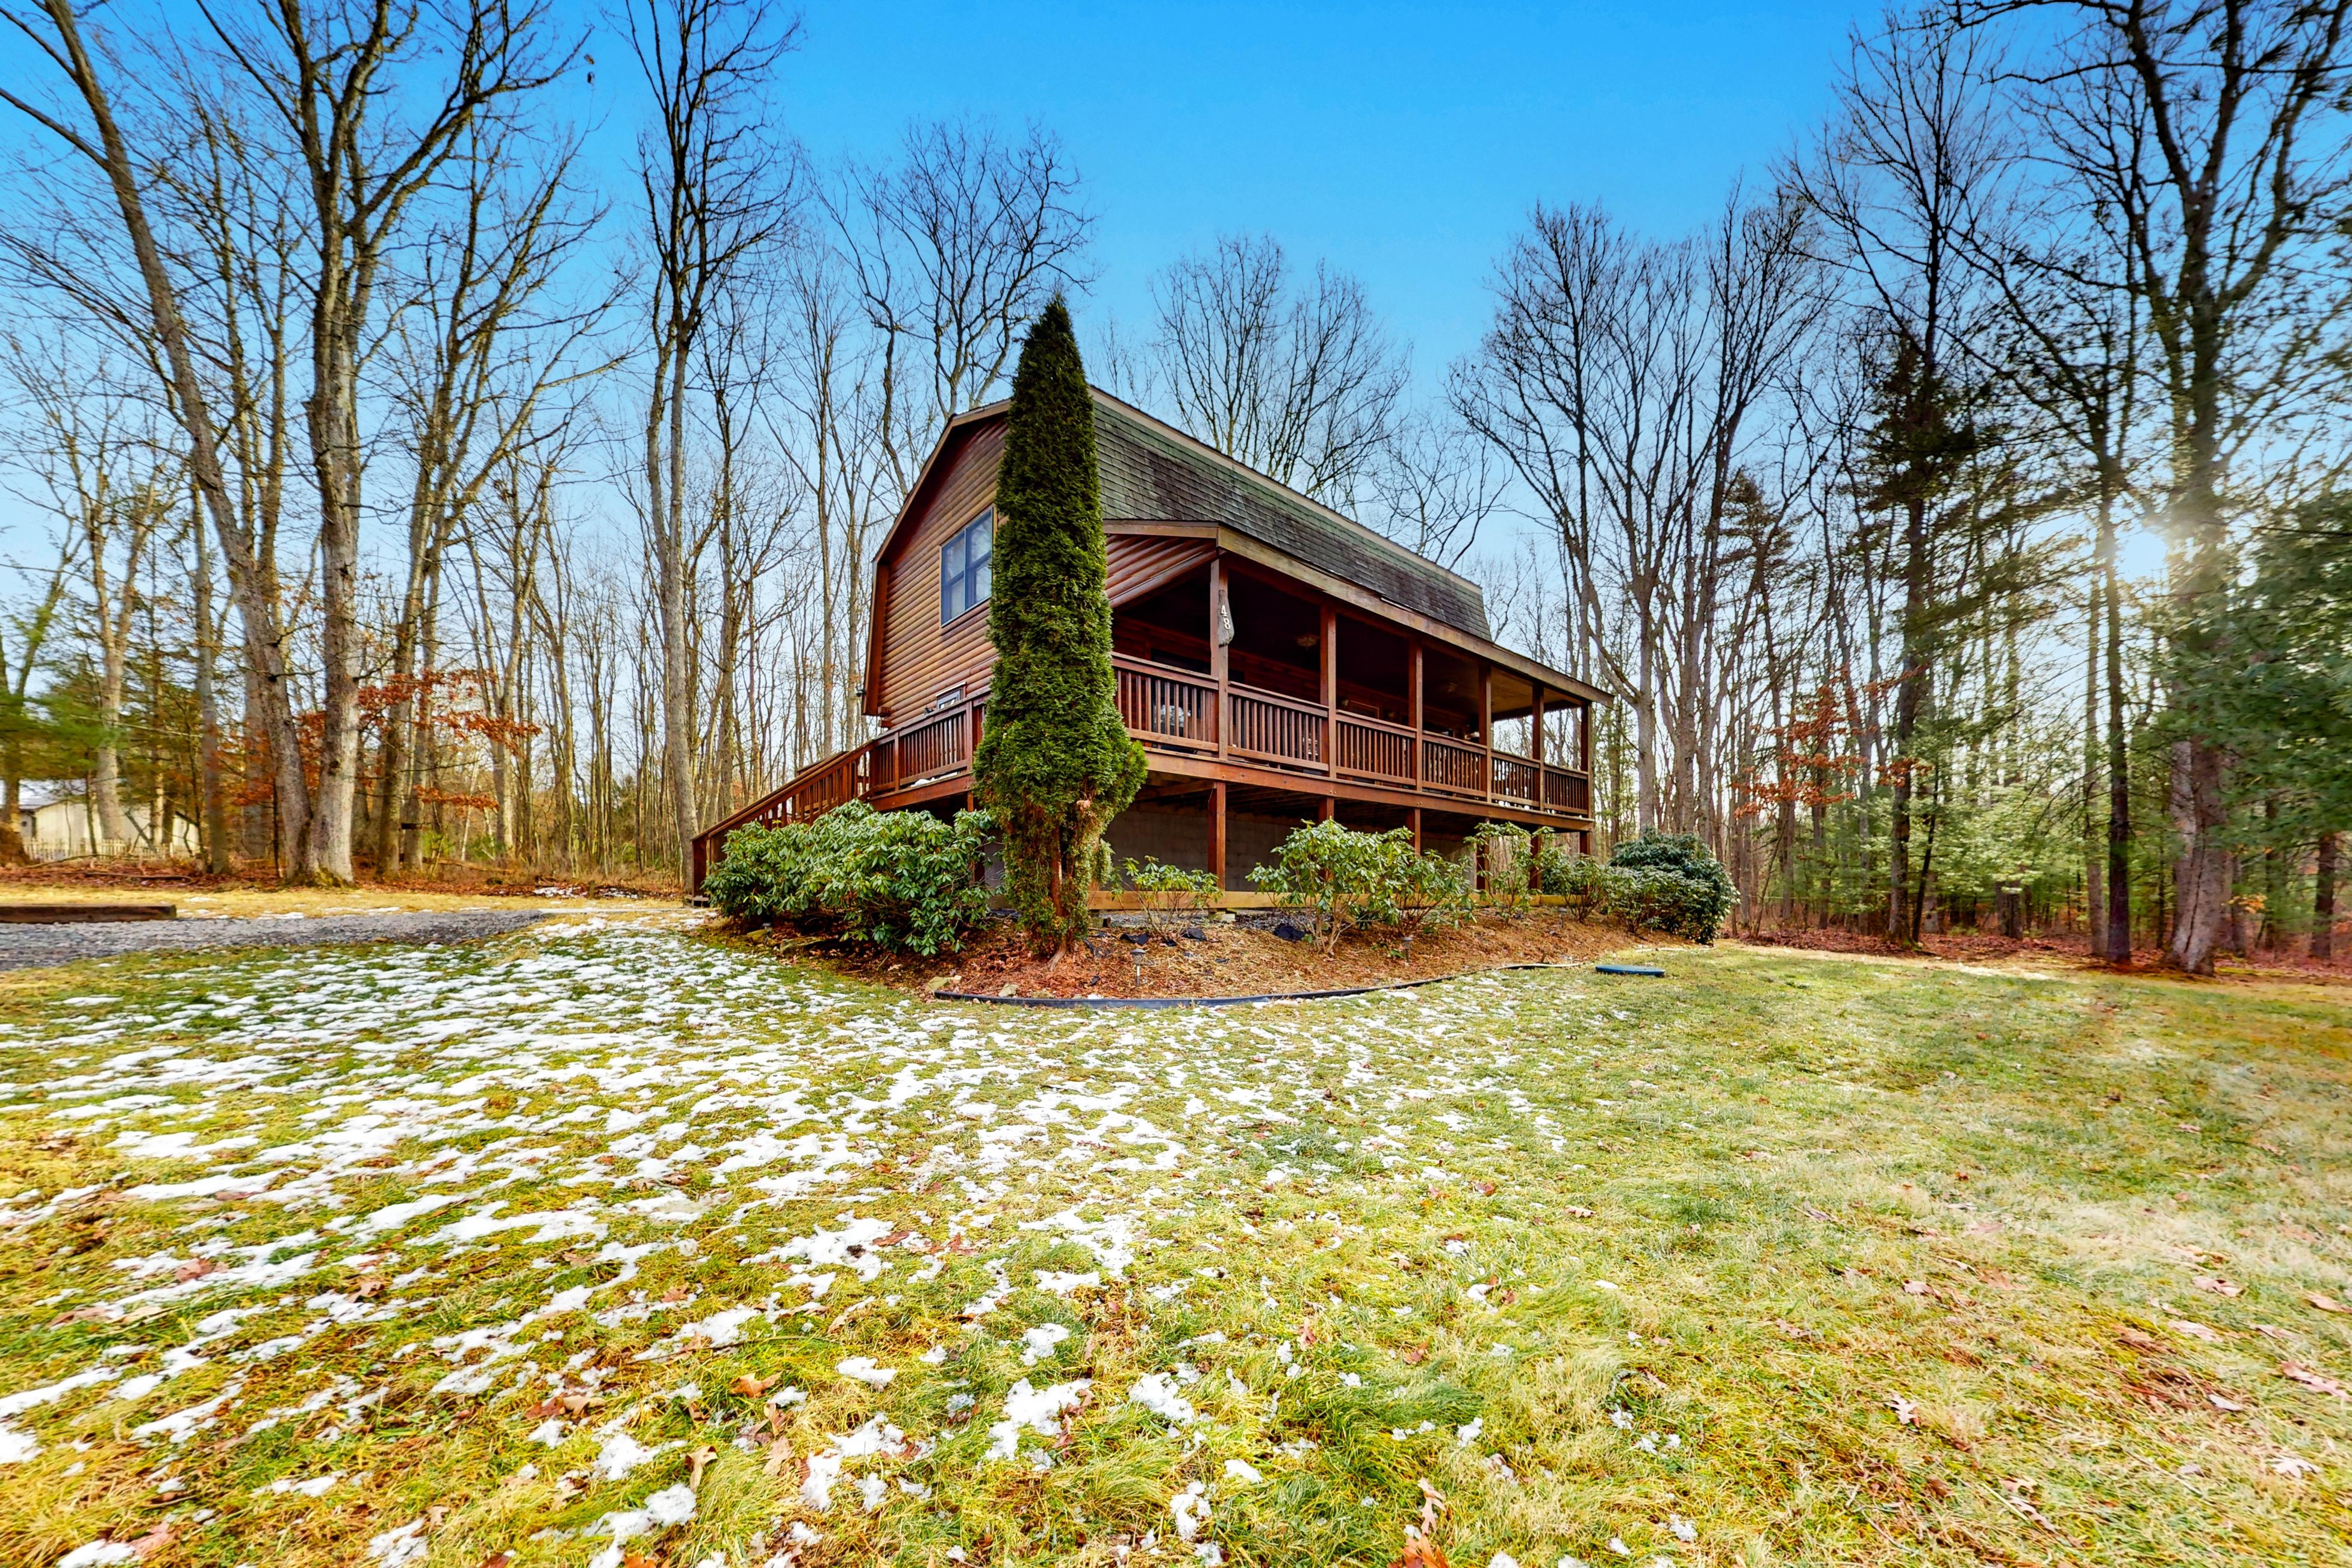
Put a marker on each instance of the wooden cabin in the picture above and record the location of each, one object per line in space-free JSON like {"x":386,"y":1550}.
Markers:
{"x":1278,"y":662}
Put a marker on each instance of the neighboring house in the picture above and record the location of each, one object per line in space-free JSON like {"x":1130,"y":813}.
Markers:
{"x":61,"y":826}
{"x":1278,"y":662}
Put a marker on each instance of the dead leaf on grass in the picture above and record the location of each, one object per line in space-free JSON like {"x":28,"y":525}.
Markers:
{"x":1575,"y":1211}
{"x":751,"y":1387}
{"x":2324,"y":1303}
{"x":2317,"y":1381}
{"x":2195,"y":1331}
{"x":779,"y":1454}
{"x":698,"y":1462}
{"x":2219,"y":1402}
{"x":1905,"y":1410}
{"x":1420,"y":1552}
{"x":2218,"y":1285}
{"x":2140,"y":1341}
{"x":1915,"y":1288}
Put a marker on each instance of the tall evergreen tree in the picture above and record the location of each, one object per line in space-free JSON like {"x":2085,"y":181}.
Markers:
{"x":1056,"y":763}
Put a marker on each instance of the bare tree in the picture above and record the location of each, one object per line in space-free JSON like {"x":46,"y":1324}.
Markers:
{"x":335,"y":73}
{"x":98,"y":138}
{"x":1433,"y":485}
{"x":1901,"y":182}
{"x":715,"y":192}
{"x":1620,"y":382}
{"x":954,"y":248}
{"x":487,"y":342}
{"x":1300,"y":384}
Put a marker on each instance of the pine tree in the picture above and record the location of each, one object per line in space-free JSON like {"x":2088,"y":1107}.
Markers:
{"x":1056,"y":763}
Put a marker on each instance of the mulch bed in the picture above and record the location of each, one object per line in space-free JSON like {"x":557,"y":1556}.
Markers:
{"x":1242,"y":958}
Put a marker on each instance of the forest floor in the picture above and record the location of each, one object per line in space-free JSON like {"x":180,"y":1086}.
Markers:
{"x":200,"y":896}
{"x":608,"y":1240}
{"x":1207,"y":957}
{"x":2059,"y":948}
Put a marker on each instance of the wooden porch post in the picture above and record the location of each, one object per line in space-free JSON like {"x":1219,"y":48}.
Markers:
{"x":1326,"y":808}
{"x":1584,"y":737}
{"x":1415,"y":706}
{"x":1217,"y":613}
{"x":1486,"y":724}
{"x":1413,"y":819}
{"x":1538,"y":757}
{"x":1331,"y":692}
{"x":1217,"y":833}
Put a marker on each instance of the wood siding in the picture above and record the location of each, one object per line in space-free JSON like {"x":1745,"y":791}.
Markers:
{"x":923,"y":660}
{"x":1142,"y":561}
{"x":920,"y":659}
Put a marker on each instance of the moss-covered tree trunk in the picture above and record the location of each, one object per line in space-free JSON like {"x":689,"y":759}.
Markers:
{"x":1055,"y":763}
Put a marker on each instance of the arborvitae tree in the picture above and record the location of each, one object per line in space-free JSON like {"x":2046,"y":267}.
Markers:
{"x":1056,"y":763}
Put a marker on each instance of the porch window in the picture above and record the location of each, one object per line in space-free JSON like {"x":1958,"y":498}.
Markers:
{"x":964,"y":563}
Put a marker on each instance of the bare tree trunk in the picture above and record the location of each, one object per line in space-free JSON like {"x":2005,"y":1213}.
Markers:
{"x":2323,"y":902}
{"x":264,"y":638}
{"x":211,"y":788}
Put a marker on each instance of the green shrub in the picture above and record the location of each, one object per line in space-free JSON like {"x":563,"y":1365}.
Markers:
{"x":1172,"y":896}
{"x":1508,"y":854}
{"x":1342,"y":877}
{"x":1666,"y":882}
{"x":903,"y":881}
{"x":1675,"y":885}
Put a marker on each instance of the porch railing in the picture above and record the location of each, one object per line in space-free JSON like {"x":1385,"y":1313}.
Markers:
{"x":1172,"y":708}
{"x":1180,"y":711}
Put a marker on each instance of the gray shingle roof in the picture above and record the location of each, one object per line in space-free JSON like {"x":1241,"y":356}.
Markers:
{"x":1151,"y":473}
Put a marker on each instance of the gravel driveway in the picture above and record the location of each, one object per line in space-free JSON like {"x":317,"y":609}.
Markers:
{"x":29,"y":946}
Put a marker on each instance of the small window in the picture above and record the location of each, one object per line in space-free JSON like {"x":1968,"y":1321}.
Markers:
{"x":964,"y":564}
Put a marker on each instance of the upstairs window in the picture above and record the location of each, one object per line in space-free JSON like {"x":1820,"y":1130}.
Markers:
{"x":964,"y":563}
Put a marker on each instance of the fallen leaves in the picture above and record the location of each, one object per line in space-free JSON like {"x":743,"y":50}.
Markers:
{"x":779,"y":1454}
{"x":2137,"y":1341}
{"x":2317,"y":1381}
{"x":2215,"y":1285}
{"x":751,"y":1387}
{"x":1905,"y":1410}
{"x":2195,"y":1331}
{"x":2324,"y":1301}
{"x":195,"y":1268}
{"x":1420,"y":1552}
{"x":1575,"y":1211}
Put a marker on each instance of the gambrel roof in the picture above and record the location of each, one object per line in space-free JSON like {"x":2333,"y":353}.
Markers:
{"x":1153,"y":472}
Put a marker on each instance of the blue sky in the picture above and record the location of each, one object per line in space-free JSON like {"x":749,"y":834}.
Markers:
{"x":1403,"y":143}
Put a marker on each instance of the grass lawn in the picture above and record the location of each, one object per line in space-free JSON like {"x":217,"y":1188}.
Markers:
{"x":609,"y":1241}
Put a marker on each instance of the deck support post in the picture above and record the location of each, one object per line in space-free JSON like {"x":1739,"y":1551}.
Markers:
{"x":1328,"y":809}
{"x":1330,"y":641}
{"x":1486,"y":725}
{"x":1414,"y":702}
{"x":1218,"y":616}
{"x":1413,"y":819}
{"x":1217,"y":833}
